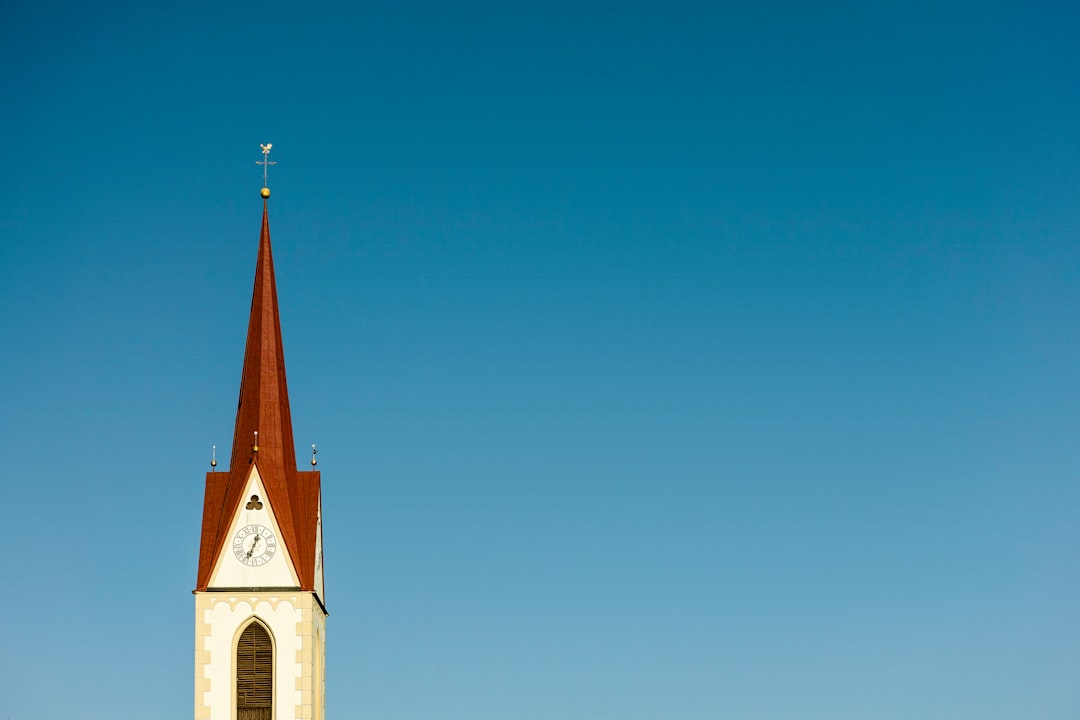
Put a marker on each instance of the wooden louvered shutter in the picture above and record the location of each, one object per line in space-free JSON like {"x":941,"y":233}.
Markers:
{"x":254,"y":674}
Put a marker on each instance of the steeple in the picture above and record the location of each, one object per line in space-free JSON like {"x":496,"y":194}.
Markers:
{"x":260,"y":607}
{"x":263,"y":438}
{"x":263,"y":407}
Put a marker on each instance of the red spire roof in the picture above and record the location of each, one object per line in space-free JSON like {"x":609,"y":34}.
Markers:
{"x":263,"y":408}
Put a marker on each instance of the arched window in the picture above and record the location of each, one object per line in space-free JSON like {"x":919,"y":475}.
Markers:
{"x":254,"y":674}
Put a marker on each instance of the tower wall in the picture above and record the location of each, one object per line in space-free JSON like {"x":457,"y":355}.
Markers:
{"x":297,"y":625}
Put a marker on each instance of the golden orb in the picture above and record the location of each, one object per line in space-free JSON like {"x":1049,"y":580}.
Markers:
{"x":265,"y":192}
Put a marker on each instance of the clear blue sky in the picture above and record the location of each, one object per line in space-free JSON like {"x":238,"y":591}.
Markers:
{"x":667,"y":361}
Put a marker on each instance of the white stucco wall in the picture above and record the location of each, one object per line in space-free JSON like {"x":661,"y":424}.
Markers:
{"x":293,"y":619}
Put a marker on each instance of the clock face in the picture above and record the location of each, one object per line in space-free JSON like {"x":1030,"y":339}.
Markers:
{"x":254,"y":545}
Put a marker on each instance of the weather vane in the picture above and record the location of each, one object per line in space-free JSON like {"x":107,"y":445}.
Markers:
{"x":266,"y":163}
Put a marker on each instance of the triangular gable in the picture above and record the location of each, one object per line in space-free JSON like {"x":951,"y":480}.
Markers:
{"x":225,"y":498}
{"x":254,"y":553}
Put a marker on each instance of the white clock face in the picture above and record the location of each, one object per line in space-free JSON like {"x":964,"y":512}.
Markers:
{"x":254,"y":545}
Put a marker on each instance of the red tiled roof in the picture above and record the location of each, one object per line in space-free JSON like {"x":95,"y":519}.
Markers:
{"x":263,"y":407}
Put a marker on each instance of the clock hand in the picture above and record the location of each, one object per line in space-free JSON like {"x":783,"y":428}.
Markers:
{"x":253,"y":546}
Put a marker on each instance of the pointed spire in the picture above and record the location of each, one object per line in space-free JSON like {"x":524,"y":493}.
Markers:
{"x":264,"y":398}
{"x":263,"y":434}
{"x":263,"y":437}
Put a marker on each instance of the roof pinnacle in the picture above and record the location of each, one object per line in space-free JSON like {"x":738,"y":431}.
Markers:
{"x":266,"y":163}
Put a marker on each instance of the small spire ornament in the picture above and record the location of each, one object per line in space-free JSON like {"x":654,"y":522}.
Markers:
{"x":266,"y":163}
{"x":314,"y":452}
{"x":213,"y":457}
{"x":255,"y":447}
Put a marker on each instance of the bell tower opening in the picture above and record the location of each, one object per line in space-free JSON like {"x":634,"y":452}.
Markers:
{"x":254,"y":674}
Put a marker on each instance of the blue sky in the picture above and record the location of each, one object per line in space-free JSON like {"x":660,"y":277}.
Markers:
{"x":683,"y":361}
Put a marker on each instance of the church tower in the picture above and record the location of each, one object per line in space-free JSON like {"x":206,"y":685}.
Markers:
{"x":260,"y":610}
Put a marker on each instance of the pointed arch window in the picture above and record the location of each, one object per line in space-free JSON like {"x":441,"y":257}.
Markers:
{"x":254,"y":674}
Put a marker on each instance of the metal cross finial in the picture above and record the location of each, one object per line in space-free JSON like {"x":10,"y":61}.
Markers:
{"x":265,"y":162}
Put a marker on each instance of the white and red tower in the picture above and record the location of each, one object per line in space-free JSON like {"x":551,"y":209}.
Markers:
{"x":260,"y":610}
